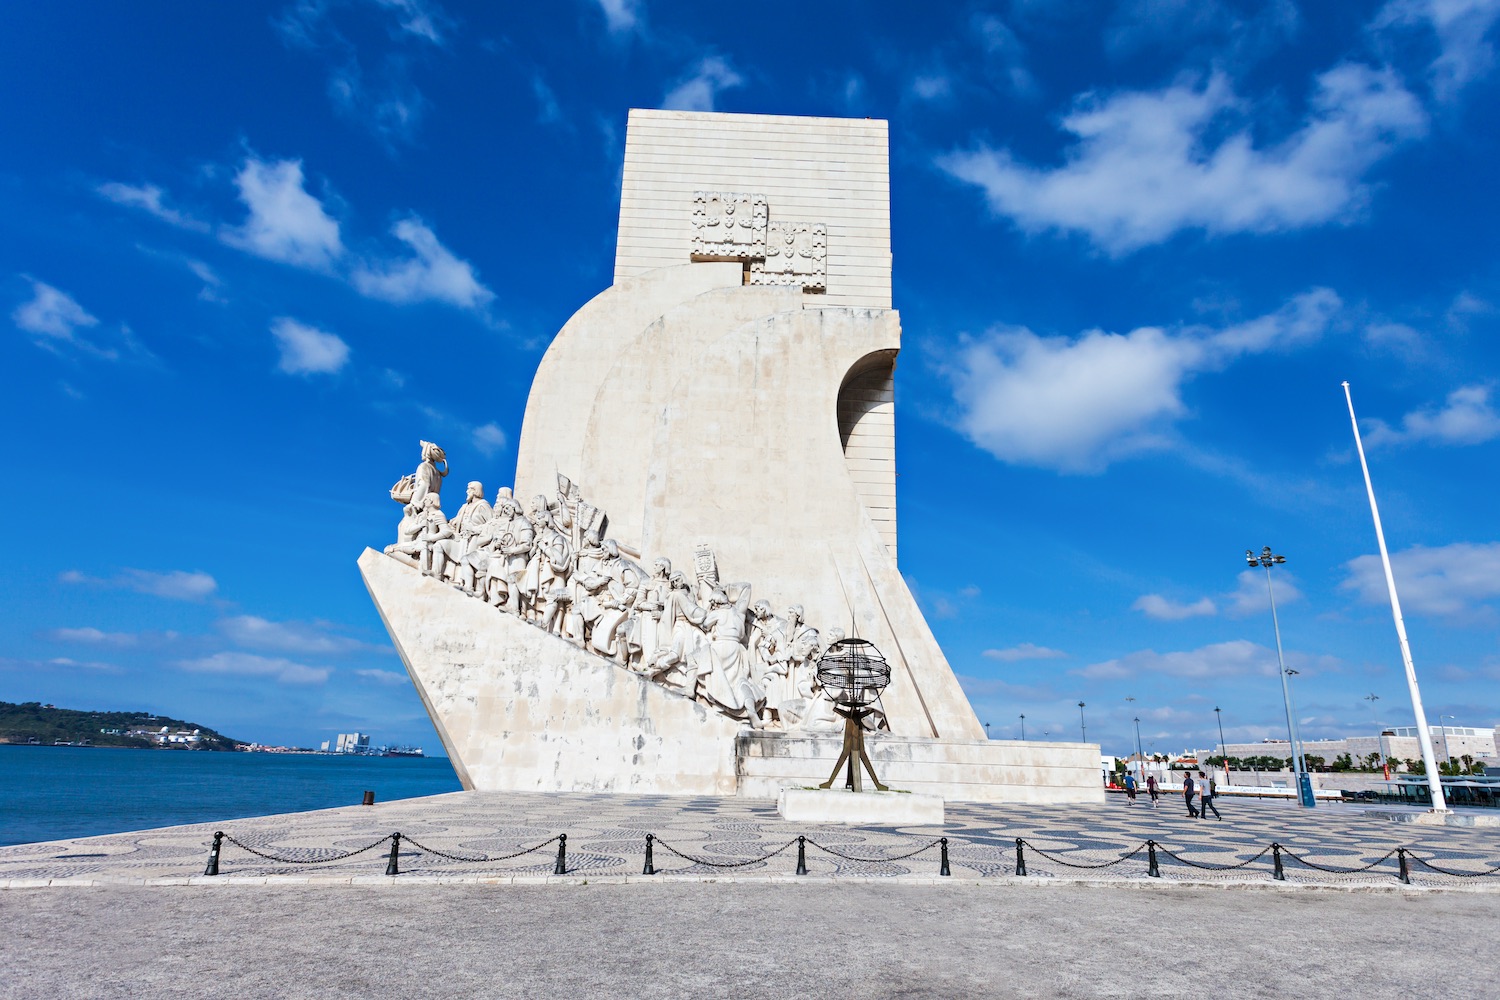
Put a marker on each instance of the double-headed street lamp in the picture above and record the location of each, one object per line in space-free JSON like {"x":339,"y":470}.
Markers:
{"x":1081,"y":724}
{"x":1304,"y":783}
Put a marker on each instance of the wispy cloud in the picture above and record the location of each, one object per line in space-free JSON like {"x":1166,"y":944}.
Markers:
{"x":176,"y":585}
{"x":698,"y":90}
{"x":1460,"y":29}
{"x":489,"y":439}
{"x":1145,"y":165}
{"x":150,"y":199}
{"x":1451,"y":581}
{"x":52,"y":313}
{"x":1237,"y":658}
{"x":1466,"y":417}
{"x":387,"y":677}
{"x":306,"y":350}
{"x":88,"y":635}
{"x":314,"y":638}
{"x":622,"y":17}
{"x":250,"y":665}
{"x":432,"y":273}
{"x":1077,"y":404}
{"x":285,"y":223}
{"x":1166,"y":610}
{"x":1025,"y":651}
{"x":1251,"y":596}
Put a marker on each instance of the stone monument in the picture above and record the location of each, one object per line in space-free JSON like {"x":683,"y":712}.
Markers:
{"x":704,"y":502}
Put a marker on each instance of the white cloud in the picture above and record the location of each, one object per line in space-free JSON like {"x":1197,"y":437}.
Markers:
{"x":64,"y":661}
{"x":89,"y":635}
{"x":1466,"y":418}
{"x":548,"y":111}
{"x":1075,"y":405}
{"x":250,"y":665}
{"x":52,"y":313}
{"x":932,"y":86}
{"x":421,"y":18}
{"x":697,"y":91}
{"x":390,"y":677}
{"x":489,"y":439}
{"x":1148,"y":164}
{"x":1005,"y":49}
{"x":1175,"y":24}
{"x":285,"y":222}
{"x":1163,"y":609}
{"x":432,"y":274}
{"x":151,"y":199}
{"x":290,"y":637}
{"x":176,"y":585}
{"x":1460,"y":28}
{"x":1025,"y":651}
{"x":1237,"y":658}
{"x":1251,"y":596}
{"x":621,"y":16}
{"x":1453,"y":580}
{"x":306,"y":350}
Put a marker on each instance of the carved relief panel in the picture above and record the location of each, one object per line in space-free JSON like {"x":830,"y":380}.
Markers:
{"x":796,"y":254}
{"x":729,"y":225}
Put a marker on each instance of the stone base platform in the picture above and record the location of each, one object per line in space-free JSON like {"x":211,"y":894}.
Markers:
{"x":955,"y":770}
{"x":869,"y":808}
{"x":1431,"y":817}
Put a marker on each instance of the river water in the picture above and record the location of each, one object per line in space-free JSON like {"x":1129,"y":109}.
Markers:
{"x":52,"y":793}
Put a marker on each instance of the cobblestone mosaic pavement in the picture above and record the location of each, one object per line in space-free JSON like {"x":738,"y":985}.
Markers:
{"x":701,"y":838}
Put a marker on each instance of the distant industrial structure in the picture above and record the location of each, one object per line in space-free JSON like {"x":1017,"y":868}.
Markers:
{"x":358,"y":744}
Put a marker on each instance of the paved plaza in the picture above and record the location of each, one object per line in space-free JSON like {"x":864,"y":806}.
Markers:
{"x":469,"y":837}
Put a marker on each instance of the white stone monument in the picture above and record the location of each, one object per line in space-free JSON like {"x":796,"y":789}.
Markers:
{"x":704,"y":500}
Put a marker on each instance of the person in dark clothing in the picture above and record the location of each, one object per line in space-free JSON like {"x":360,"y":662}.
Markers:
{"x":1151,"y":787}
{"x":1188,"y":788}
{"x":1130,"y":788}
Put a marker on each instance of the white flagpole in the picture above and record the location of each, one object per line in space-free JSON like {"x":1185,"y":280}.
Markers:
{"x":1424,"y":738}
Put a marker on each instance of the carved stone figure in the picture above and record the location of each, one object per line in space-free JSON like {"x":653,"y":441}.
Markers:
{"x":468,"y":525}
{"x":409,"y":534}
{"x":550,"y":566}
{"x":730,"y":683}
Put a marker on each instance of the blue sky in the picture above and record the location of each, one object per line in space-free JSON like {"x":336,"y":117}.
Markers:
{"x":254,"y":252}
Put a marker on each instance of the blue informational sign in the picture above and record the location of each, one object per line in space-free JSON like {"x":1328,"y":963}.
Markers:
{"x":1305,"y":790}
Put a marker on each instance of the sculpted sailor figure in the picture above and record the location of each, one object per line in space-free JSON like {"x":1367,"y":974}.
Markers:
{"x":729,"y":683}
{"x":513,"y":541}
{"x":550,"y":566}
{"x":681,"y":664}
{"x":428,"y":477}
{"x":467,"y":524}
{"x":435,"y":531}
{"x":409,"y":534}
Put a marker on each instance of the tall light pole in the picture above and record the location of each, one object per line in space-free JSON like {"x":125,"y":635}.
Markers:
{"x":1267,"y":559}
{"x":1447,"y":755}
{"x":1083,"y":726}
{"x":1424,"y":738}
{"x":1140,"y":754}
{"x":986,"y":730}
{"x":1223,"y":749}
{"x":1023,"y":727}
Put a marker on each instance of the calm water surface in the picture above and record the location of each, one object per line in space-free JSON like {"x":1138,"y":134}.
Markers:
{"x":51,"y":793}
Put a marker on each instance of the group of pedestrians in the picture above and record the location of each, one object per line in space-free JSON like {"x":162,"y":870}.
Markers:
{"x":1205,"y":789}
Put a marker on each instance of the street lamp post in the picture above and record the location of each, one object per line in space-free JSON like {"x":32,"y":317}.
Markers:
{"x":1083,"y":726}
{"x":1304,"y":784}
{"x":1140,"y":755}
{"x":1023,"y":727}
{"x":1223,"y":749}
{"x":1447,"y":755}
{"x":986,"y":730}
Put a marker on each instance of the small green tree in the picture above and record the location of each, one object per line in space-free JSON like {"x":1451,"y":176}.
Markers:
{"x":1415,"y":766}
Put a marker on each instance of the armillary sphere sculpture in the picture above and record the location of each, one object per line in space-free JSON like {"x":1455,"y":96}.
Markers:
{"x":853,"y":673}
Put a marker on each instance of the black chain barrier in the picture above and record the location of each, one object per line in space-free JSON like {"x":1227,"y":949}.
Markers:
{"x":1405,"y":857}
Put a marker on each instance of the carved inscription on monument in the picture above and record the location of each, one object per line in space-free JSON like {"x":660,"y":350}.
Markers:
{"x":729,"y":226}
{"x":796,"y":254}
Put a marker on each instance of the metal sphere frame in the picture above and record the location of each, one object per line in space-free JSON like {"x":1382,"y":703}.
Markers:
{"x":854,"y":673}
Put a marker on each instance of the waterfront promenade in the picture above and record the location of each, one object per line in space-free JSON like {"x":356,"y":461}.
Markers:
{"x":721,"y":839}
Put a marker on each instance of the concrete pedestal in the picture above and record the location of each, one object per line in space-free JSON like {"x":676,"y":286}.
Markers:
{"x":838,"y":805}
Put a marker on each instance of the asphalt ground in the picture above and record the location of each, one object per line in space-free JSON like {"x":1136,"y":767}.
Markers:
{"x":706,"y":939}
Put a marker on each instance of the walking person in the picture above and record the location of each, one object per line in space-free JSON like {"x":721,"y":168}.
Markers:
{"x":1188,"y":788}
{"x":1151,"y":788}
{"x":1207,"y":789}
{"x":1130,"y":788}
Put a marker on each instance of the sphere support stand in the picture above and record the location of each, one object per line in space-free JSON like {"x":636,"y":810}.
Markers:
{"x":854,"y":752}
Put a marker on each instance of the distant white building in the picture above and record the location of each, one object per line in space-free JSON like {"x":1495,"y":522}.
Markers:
{"x":352,"y":743}
{"x":1399,"y":743}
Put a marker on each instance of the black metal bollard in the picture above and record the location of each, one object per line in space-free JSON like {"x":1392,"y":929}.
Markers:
{"x":393,"y":866}
{"x":1151,"y":867}
{"x":1277,"y":872}
{"x":943,"y":870}
{"x":801,"y":855}
{"x":1405,"y":875}
{"x":369,"y":799}
{"x":561,"y":868}
{"x":212,"y":867}
{"x":1020,"y":856}
{"x":650,"y":869}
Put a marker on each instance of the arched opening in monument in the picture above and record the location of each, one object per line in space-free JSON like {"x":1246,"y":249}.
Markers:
{"x":867,"y":431}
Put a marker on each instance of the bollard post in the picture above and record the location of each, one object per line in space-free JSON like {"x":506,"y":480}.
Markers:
{"x":213,"y":855}
{"x":1405,"y":875}
{"x":393,"y":866}
{"x":943,"y":870}
{"x":369,"y":799}
{"x":801,"y":855}
{"x":1277,"y":872}
{"x":1020,"y":856}
{"x":650,"y":869}
{"x":1151,"y":868}
{"x":561,"y":868}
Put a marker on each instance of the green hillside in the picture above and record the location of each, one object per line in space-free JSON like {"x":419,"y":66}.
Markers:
{"x":46,"y":725}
